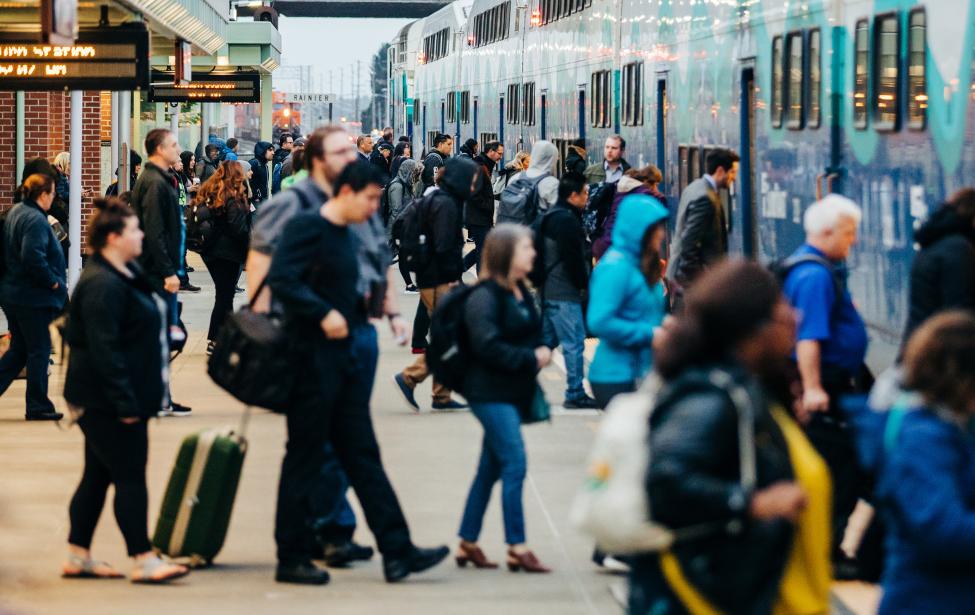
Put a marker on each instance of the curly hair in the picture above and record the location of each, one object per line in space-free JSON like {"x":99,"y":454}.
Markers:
{"x":224,"y":186}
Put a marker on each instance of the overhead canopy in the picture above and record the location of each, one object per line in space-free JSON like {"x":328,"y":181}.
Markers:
{"x":359,"y":8}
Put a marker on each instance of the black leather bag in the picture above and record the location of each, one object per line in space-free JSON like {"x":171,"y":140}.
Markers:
{"x":252,"y":359}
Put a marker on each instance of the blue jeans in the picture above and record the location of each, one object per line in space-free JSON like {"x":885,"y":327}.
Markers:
{"x":562,"y":324}
{"x":502,"y":456}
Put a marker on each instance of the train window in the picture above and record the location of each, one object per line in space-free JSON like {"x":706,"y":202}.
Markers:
{"x":689,"y":167}
{"x":580,"y":4}
{"x":861,"y":58}
{"x":416,"y":108}
{"x":887,"y":71}
{"x":917,"y":90}
{"x":451,"y":107}
{"x":794,"y":56}
{"x":633,"y":94}
{"x":814,"y":109}
{"x":528,"y":104}
{"x":600,"y":115}
{"x":465,"y":107}
{"x":512,"y":114}
{"x":777,"y":85}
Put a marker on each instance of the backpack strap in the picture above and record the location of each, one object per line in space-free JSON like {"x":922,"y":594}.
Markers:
{"x":794,"y":261}
{"x":895,"y":421}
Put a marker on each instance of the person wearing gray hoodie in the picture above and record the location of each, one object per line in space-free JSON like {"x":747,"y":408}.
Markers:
{"x":399,"y":193}
{"x":544,"y":158}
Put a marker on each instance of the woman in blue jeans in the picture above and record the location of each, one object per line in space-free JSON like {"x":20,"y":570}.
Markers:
{"x":504,"y":331}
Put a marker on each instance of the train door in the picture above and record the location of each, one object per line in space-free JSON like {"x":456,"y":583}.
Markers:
{"x":443,"y":117}
{"x":746,"y":197}
{"x":501,"y":121}
{"x":475,"y":133}
{"x":662,"y":129}
{"x":424,"y":119}
{"x":582,"y":112}
{"x":544,"y":98}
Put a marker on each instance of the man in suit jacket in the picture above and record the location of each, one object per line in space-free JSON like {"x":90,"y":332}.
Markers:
{"x":701,"y":236}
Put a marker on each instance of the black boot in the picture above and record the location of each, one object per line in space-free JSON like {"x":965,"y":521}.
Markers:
{"x":342,"y":554}
{"x":304,"y":573}
{"x":415,"y":560}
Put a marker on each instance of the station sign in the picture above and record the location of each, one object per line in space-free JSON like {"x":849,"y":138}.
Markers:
{"x":236,"y":87}
{"x":115,"y":59}
{"x":296,"y":98}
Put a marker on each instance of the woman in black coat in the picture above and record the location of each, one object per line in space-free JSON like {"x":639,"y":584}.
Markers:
{"x":117,"y":380}
{"x":225,"y":248}
{"x":504,"y":330}
{"x":943,"y":273}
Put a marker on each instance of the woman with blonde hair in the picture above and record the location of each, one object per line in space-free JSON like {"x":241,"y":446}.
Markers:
{"x":504,"y":335}
{"x":224,"y":249}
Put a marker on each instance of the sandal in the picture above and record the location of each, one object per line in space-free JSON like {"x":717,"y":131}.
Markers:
{"x":78,"y":567}
{"x":148,"y":572}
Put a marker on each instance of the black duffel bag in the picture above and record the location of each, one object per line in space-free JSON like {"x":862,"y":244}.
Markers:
{"x":251,"y":358}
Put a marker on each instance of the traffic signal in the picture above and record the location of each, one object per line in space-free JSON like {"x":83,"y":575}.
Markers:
{"x":266,"y":13}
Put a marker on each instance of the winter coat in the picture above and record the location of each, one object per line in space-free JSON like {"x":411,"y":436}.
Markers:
{"x":943,"y":272}
{"x":624,"y":188}
{"x":156,"y":202}
{"x":206,"y":169}
{"x":231,"y":232}
{"x":431,"y":163}
{"x":623,"y":309}
{"x":116,"y":330}
{"x":503,"y":335}
{"x":925,"y":492}
{"x":565,"y":254}
{"x":596,"y":172}
{"x":259,"y":183}
{"x":701,"y":236}
{"x":279,"y":156}
{"x":544,"y":158}
{"x":443,"y":221}
{"x":694,"y":479}
{"x":33,"y":258}
{"x":479,"y":210}
{"x":403,"y":189}
{"x":577,"y":160}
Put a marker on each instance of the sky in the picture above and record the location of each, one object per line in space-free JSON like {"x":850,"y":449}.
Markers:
{"x":331,"y":44}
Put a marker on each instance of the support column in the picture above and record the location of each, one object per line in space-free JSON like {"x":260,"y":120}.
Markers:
{"x":230,"y":117}
{"x":74,"y":195}
{"x":115,"y":130}
{"x":174,"y":124}
{"x":125,"y":140}
{"x":204,"y":124}
{"x":19,"y":138}
{"x":267,"y":105}
{"x":160,"y":114}
{"x":135,"y":112}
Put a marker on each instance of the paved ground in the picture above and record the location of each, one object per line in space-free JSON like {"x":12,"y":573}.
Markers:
{"x":430,"y":458}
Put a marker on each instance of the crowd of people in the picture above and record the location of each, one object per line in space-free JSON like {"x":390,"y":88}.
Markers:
{"x":764,"y":439}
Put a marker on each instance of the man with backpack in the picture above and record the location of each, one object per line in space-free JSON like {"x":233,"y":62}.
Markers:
{"x":434,"y":241}
{"x":832,"y":343}
{"x":479,"y":211}
{"x":533,"y":191}
{"x":562,"y":275}
{"x":436,"y":159}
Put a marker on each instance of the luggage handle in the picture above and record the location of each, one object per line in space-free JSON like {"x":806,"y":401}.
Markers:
{"x":245,"y":421}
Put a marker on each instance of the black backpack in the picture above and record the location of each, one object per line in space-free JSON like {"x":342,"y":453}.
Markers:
{"x":597,"y":209}
{"x":519,"y":200}
{"x":199,"y":227}
{"x":542,"y":268}
{"x":415,"y":249}
{"x":448,"y":353}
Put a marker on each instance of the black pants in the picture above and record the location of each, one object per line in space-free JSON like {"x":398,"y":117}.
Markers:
{"x":403,"y":271}
{"x":225,"y":274}
{"x":115,"y":454}
{"x":604,"y":392}
{"x":332,"y":404}
{"x":478,"y":234}
{"x":30,"y":346}
{"x":421,"y":326}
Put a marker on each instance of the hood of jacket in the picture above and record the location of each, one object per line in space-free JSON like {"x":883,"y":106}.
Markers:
{"x":483,"y":159}
{"x":406,"y":170}
{"x":543,"y":159}
{"x":636,"y":214}
{"x":943,"y":222}
{"x":578,"y":151}
{"x":627,"y":184}
{"x":457,"y":178}
{"x":260,"y":149}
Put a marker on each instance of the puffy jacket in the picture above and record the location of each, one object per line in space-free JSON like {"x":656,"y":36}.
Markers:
{"x":943,"y":272}
{"x":701,"y":236}
{"x":503,"y":335}
{"x":156,"y":202}
{"x":479,"y":210}
{"x":34,"y":259}
{"x":231,"y":230}
{"x":694,"y":479}
{"x":624,"y":188}
{"x":443,"y":220}
{"x":623,"y":309}
{"x":117,"y":357}
{"x":259,"y":183}
{"x":576,"y":161}
{"x":565,"y":254}
{"x":925,"y":490}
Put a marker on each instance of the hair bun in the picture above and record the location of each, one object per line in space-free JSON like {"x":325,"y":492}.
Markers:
{"x":109,"y":203}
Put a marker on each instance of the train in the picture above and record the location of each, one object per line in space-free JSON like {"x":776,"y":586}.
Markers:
{"x":872,"y":99}
{"x":285,"y":117}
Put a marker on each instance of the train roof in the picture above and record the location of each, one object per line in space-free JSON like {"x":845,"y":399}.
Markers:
{"x":453,"y":16}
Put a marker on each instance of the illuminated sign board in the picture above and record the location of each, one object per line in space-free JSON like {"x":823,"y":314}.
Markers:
{"x":239,"y":87}
{"x":107,"y":59}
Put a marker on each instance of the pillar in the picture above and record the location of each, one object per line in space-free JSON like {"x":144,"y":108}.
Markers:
{"x":19,"y":138}
{"x":267,"y":105}
{"x":74,"y":197}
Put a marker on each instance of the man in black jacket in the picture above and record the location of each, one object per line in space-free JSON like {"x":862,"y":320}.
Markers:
{"x":436,"y":159}
{"x":479,"y":212}
{"x":263,"y":153}
{"x":155,"y":201}
{"x":208,"y":165}
{"x":564,"y":278}
{"x":443,"y":222}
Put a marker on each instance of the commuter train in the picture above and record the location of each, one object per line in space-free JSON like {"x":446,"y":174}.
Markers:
{"x":868,"y":98}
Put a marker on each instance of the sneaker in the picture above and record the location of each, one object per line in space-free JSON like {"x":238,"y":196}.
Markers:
{"x":50,"y":415}
{"x":411,"y":290}
{"x":450,"y":404}
{"x":210,"y":345}
{"x":406,"y":391}
{"x":583,"y":403}
{"x":189,"y":269}
{"x":176,"y":334}
{"x":187,"y":287}
{"x":176,"y":410}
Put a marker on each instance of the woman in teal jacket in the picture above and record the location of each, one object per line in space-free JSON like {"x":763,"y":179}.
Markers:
{"x":626,"y":298}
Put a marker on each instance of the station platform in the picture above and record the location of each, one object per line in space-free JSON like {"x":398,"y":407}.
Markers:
{"x":430,"y":457}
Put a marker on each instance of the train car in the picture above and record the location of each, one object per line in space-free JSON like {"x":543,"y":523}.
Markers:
{"x":402,"y":62}
{"x":849,"y":96}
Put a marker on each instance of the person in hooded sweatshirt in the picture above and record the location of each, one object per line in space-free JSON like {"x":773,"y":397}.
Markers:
{"x":577,"y":159}
{"x":544,"y":157}
{"x":634,"y":181}
{"x":263,"y":153}
{"x":943,"y":273}
{"x":446,"y":238}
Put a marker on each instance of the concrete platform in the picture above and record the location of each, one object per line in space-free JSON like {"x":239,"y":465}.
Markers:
{"x":430,"y":458}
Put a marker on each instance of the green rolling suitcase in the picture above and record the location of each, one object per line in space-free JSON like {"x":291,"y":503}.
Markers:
{"x":200,"y":496}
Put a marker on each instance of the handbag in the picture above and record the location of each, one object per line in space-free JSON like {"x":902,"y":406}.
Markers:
{"x":539,"y":410}
{"x":252,"y":358}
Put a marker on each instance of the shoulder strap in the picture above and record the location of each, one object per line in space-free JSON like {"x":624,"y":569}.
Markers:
{"x":746,"y":425}
{"x":895,"y":420}
{"x":793,"y":261}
